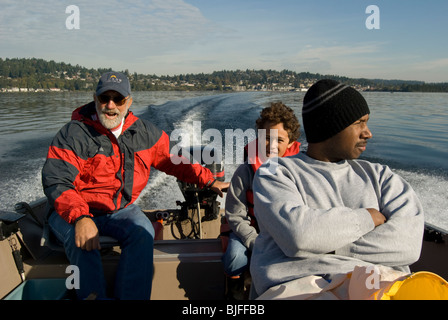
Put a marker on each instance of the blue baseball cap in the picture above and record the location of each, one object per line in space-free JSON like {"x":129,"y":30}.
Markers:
{"x":115,"y":81}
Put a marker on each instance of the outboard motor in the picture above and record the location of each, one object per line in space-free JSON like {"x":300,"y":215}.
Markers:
{"x":202,"y":198}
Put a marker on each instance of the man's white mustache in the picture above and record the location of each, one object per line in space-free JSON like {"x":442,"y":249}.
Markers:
{"x":110,"y":112}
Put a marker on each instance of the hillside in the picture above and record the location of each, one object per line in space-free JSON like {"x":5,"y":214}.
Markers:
{"x":40,"y":75}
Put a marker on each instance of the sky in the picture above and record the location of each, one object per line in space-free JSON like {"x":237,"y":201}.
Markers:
{"x":172,"y":37}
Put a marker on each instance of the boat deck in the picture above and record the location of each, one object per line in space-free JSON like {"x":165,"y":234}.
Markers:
{"x":188,"y":269}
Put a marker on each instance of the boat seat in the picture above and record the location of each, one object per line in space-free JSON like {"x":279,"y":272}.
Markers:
{"x":49,"y":240}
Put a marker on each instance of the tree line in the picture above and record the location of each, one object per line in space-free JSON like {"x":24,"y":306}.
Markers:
{"x":35,"y":74}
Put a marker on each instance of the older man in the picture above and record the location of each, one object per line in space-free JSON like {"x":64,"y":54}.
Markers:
{"x":323,"y":212}
{"x":97,"y":166}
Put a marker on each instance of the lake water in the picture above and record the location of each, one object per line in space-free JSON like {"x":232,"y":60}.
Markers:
{"x":409,"y":134}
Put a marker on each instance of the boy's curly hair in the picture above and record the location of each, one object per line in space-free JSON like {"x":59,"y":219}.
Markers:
{"x":277,"y":113}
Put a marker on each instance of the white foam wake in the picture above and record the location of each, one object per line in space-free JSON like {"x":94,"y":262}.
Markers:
{"x":432,"y":192}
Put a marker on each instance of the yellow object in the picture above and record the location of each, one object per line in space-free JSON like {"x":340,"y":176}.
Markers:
{"x":421,"y":285}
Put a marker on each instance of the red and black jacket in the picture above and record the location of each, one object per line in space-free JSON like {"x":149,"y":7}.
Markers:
{"x":89,"y":171}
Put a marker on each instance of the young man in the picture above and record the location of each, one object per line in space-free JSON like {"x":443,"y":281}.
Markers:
{"x":97,"y":166}
{"x":323,"y":213}
{"x":239,"y":202}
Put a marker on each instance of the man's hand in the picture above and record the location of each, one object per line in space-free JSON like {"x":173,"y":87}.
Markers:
{"x":86,"y":235}
{"x":377,"y":217}
{"x":219,"y":187}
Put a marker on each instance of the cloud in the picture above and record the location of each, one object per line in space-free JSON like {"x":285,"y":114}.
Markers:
{"x":25,"y":20}
{"x":432,"y":64}
{"x":158,"y":22}
{"x":109,"y":30}
{"x":340,"y":59}
{"x":434,"y":70}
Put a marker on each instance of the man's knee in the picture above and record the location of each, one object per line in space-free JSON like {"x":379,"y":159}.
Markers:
{"x":142,"y":235}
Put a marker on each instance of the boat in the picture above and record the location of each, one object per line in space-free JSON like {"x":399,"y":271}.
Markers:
{"x":187,"y":251}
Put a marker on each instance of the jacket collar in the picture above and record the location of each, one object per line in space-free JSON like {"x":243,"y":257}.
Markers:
{"x":86,"y":112}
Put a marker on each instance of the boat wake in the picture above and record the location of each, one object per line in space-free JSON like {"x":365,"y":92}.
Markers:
{"x":431,"y":189}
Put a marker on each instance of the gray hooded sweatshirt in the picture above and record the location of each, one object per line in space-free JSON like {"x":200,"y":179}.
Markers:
{"x":313,"y":219}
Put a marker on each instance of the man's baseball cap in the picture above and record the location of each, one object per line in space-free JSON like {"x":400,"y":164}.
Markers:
{"x":115,"y":81}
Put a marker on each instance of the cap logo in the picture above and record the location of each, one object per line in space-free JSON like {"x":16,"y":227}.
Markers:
{"x":113,"y":78}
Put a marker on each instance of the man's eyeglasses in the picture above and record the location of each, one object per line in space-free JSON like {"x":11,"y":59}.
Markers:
{"x":118,"y":100}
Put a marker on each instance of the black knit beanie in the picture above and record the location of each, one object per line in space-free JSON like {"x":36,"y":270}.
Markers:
{"x":329,"y":107}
